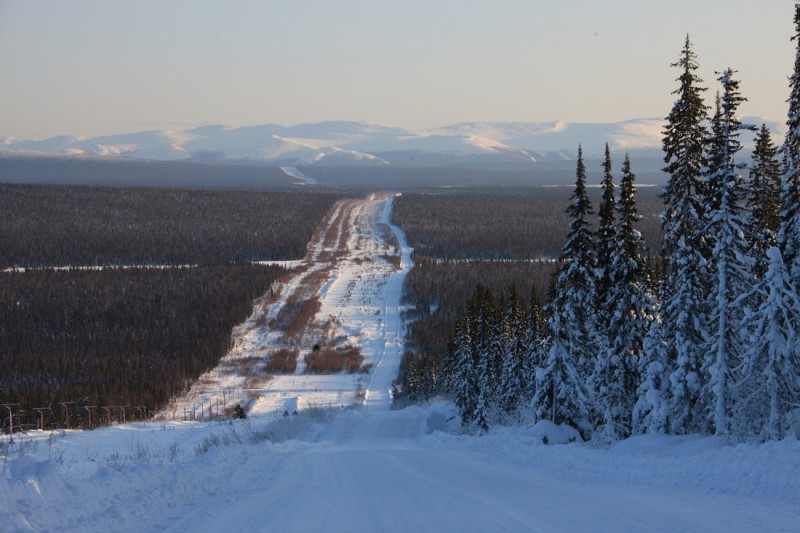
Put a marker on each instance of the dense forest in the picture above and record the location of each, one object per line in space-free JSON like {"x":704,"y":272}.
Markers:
{"x":48,"y":225}
{"x":708,"y":345}
{"x":79,"y":347}
{"x":121,"y":338}
{"x":464,"y":238}
{"x":500,"y":224}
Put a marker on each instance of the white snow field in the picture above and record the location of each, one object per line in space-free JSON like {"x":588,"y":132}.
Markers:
{"x":347,"y":462}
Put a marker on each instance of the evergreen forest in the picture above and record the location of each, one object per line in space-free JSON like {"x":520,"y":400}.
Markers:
{"x":698,"y":334}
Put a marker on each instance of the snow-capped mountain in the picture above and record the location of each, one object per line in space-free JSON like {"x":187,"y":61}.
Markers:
{"x":349,"y":143}
{"x":352,"y":142}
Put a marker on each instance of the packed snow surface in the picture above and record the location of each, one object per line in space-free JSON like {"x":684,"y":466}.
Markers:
{"x":348,"y":462}
{"x":365,"y":469}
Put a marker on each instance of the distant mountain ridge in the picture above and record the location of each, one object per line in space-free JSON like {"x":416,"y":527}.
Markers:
{"x":354,"y":143}
{"x":363,"y":143}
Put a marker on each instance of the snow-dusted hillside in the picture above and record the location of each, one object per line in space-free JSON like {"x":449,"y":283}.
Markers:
{"x":333,"y":143}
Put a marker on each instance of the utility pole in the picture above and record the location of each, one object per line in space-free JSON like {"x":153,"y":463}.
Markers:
{"x":89,"y":409}
{"x":10,"y":419}
{"x":66,"y":405}
{"x":41,"y":411}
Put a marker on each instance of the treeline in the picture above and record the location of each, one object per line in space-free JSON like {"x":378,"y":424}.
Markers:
{"x":48,"y":225}
{"x":439,"y":293}
{"x":506,"y":224}
{"x":127,"y":338}
{"x":711,"y":347}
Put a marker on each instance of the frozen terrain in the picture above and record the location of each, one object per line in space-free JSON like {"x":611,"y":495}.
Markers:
{"x":347,"y":462}
{"x":350,"y":286}
{"x":367,"y":469}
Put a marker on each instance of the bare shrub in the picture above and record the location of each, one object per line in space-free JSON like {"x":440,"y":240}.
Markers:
{"x":242,"y":366}
{"x":283,"y":361}
{"x":305,"y":311}
{"x":394,"y":260}
{"x":212,"y":441}
{"x":330,"y":360}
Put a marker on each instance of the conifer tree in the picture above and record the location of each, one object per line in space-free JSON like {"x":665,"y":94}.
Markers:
{"x":768,"y":385}
{"x":463,"y":380}
{"x":765,"y":190}
{"x":512,"y":373}
{"x":789,"y":235}
{"x":682,"y":330}
{"x":561,"y":393}
{"x":606,"y":237}
{"x":535,"y":346}
{"x":631,"y":308}
{"x":652,"y":408}
{"x":684,"y":153}
{"x":730,"y":258}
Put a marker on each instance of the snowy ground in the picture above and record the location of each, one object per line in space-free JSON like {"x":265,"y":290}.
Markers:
{"x":365,"y":467}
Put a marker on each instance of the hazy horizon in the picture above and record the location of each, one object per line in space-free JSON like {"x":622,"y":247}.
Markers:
{"x":105,"y":67}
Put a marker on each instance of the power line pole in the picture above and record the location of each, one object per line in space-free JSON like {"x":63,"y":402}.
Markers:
{"x":41,"y":411}
{"x":66,"y":405}
{"x":10,"y":419}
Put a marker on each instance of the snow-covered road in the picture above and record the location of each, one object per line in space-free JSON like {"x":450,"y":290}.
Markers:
{"x":404,"y":470}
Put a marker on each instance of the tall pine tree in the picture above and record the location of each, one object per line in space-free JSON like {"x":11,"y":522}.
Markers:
{"x":561,"y":392}
{"x":677,"y":340}
{"x":463,"y":382}
{"x":789,"y":235}
{"x":765,"y":192}
{"x":768,"y":386}
{"x":730,"y":258}
{"x":606,"y":238}
{"x":631,"y":308}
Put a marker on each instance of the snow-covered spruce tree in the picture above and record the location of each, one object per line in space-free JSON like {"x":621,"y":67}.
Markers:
{"x":463,"y":381}
{"x":535,"y":347}
{"x":764,"y":200}
{"x":512,"y":375}
{"x":789,"y":235}
{"x":684,"y":154}
{"x":631,"y":308}
{"x":652,"y":408}
{"x":677,"y":340}
{"x":605,"y":242}
{"x":561,"y":392}
{"x":769,"y":388}
{"x":730,"y":258}
{"x":489,"y":366}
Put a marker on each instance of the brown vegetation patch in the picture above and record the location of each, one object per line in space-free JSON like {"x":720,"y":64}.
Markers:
{"x":329,"y":360}
{"x":394,"y":260}
{"x":283,"y":361}
{"x":302,"y":305}
{"x":300,"y":314}
{"x":243,"y":366}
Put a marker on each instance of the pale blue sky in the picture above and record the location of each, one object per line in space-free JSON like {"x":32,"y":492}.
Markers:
{"x":108,"y":66}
